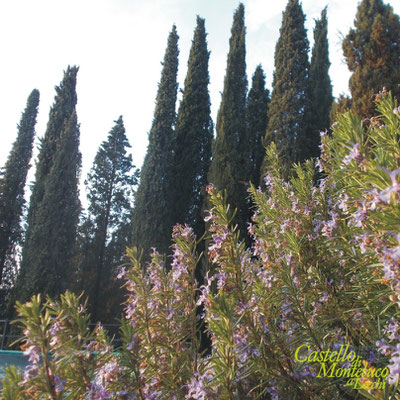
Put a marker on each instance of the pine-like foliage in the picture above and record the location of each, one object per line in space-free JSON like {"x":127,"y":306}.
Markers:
{"x":153,"y":213}
{"x":54,"y":207}
{"x":341,"y":105}
{"x":193,"y":136}
{"x":288,"y":111}
{"x":320,"y":84}
{"x":230,"y":151}
{"x":110,"y":185}
{"x":257,"y":121}
{"x":12,"y":184}
{"x":372,"y":53}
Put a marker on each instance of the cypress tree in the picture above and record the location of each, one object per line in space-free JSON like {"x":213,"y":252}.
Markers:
{"x":230,"y":150}
{"x":193,"y":136}
{"x":289,"y":108}
{"x":12,"y":184}
{"x":153,"y":215}
{"x":257,"y":121}
{"x":320,"y":84}
{"x":340,"y":105}
{"x":110,"y":185}
{"x":372,"y":53}
{"x":46,"y":265}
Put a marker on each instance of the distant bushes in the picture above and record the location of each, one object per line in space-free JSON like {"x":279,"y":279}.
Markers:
{"x":309,"y":312}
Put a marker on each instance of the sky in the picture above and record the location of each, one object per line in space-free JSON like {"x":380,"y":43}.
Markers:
{"x":118,"y":46}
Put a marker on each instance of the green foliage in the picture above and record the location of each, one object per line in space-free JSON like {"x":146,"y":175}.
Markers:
{"x":288,"y":111}
{"x":339,"y":106}
{"x":152,"y":217}
{"x":193,"y":136}
{"x":12,"y":185}
{"x":106,"y":228}
{"x":320,"y":84}
{"x":228,"y":170}
{"x":257,"y":121}
{"x":372,"y":53}
{"x":54,"y":207}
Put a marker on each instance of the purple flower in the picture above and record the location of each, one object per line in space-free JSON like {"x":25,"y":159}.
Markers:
{"x":329,"y":226}
{"x":360,"y":215}
{"x":354,"y":154}
{"x":392,"y":329}
{"x":268,"y":180}
{"x":97,"y":392}
{"x":393,"y":253}
{"x":58,"y":383}
{"x":33,"y":354}
{"x":209,"y":217}
{"x":319,"y":165}
{"x":121,"y":272}
{"x":394,"y":188}
{"x":382,"y":346}
{"x":272,"y":391}
{"x":265,"y":327}
{"x":394,"y":366}
{"x":132,"y":344}
{"x":197,"y":386}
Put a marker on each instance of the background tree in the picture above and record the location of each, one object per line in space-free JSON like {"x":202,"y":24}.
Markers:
{"x":257,"y":121}
{"x":372,"y":53}
{"x":320,"y":84}
{"x":230,"y":151}
{"x":288,"y":111}
{"x":110,"y":185}
{"x":339,"y":106}
{"x":194,"y":135}
{"x":54,"y":208}
{"x":12,"y":186}
{"x":153,"y":216}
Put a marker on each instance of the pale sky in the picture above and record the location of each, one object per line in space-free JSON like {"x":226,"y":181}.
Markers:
{"x":119,"y":44}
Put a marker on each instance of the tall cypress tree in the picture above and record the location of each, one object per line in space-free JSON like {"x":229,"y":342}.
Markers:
{"x":320,"y":84}
{"x":153,"y":215}
{"x":230,"y":150}
{"x":289,"y":108}
{"x":54,"y":208}
{"x":110,"y":185}
{"x":372,"y":53}
{"x":193,"y":136}
{"x":12,"y":183}
{"x":257,"y":121}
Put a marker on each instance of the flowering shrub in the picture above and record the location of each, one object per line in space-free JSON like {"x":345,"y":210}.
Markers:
{"x":319,"y":284}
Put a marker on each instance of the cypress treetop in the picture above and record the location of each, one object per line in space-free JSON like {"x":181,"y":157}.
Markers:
{"x":372,"y":53}
{"x":152,"y":215}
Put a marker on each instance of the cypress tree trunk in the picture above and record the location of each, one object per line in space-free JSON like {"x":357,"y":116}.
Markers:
{"x":153,"y":215}
{"x":372,"y":53}
{"x":12,"y":183}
